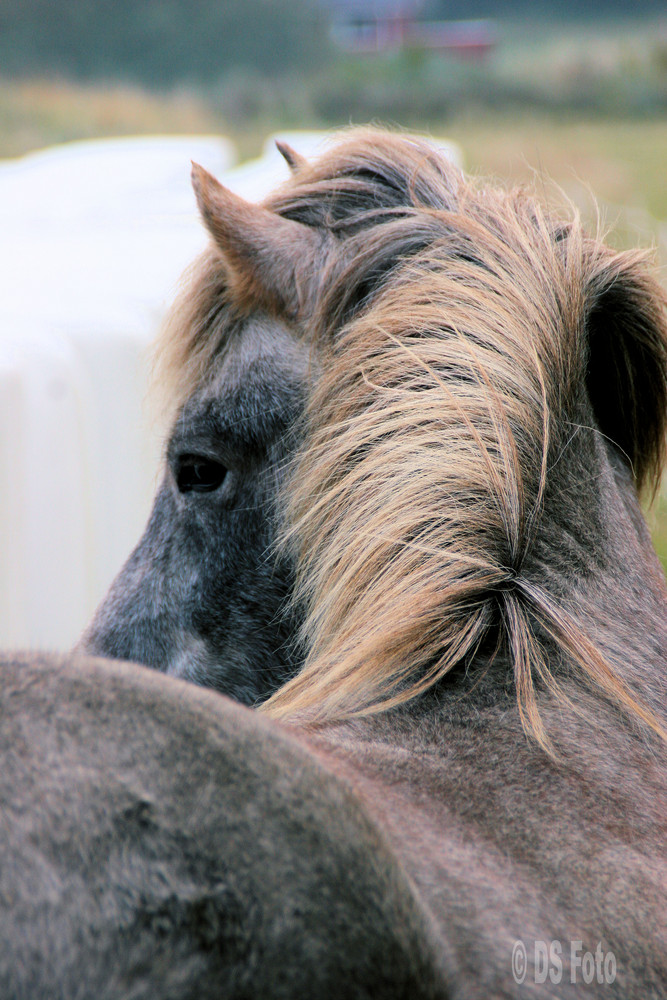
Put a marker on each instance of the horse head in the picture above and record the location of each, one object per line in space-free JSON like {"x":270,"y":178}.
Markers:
{"x":446,"y":399}
{"x":205,"y":594}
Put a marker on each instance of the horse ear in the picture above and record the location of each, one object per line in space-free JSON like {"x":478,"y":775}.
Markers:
{"x":295,"y":161}
{"x":627,"y":366}
{"x":270,"y":259}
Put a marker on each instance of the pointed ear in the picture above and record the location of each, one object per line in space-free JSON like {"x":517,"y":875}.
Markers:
{"x":627,"y":367}
{"x":295,"y":161}
{"x":272,"y":260}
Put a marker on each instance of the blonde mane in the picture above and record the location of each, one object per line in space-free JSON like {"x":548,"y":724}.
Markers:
{"x":454,"y":328}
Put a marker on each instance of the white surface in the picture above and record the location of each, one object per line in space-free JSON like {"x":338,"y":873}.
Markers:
{"x":94,"y":237}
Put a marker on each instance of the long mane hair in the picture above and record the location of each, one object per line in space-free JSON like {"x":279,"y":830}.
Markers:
{"x":462,"y":331}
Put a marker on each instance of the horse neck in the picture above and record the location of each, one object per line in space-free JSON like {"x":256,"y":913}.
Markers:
{"x":593,"y":553}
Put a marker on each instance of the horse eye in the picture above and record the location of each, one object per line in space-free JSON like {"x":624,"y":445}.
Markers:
{"x":197,"y":474}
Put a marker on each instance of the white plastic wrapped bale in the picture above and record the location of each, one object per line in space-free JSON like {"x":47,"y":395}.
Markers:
{"x":95,"y":237}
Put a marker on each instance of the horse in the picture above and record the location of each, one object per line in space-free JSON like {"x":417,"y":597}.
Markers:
{"x":431,"y":406}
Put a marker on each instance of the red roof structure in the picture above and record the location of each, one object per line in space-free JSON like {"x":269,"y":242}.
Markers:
{"x":382,"y":25}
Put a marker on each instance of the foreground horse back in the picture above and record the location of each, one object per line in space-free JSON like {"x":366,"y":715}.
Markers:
{"x":159,"y":841}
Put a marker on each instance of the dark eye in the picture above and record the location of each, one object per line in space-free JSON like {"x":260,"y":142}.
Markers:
{"x":198,"y":474}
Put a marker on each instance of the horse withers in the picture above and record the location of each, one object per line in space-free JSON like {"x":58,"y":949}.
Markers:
{"x":455,"y":521}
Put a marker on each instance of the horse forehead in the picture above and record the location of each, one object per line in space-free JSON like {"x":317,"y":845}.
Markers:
{"x":263,"y":352}
{"x":268,"y":340}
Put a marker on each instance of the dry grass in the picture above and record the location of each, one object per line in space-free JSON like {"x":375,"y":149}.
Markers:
{"x":36,"y":113}
{"x":621,"y":162}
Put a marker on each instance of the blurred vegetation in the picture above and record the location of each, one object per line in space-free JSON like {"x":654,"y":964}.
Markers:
{"x":583,"y":103}
{"x":160,"y":42}
{"x":280,"y":75}
{"x":263,"y":59}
